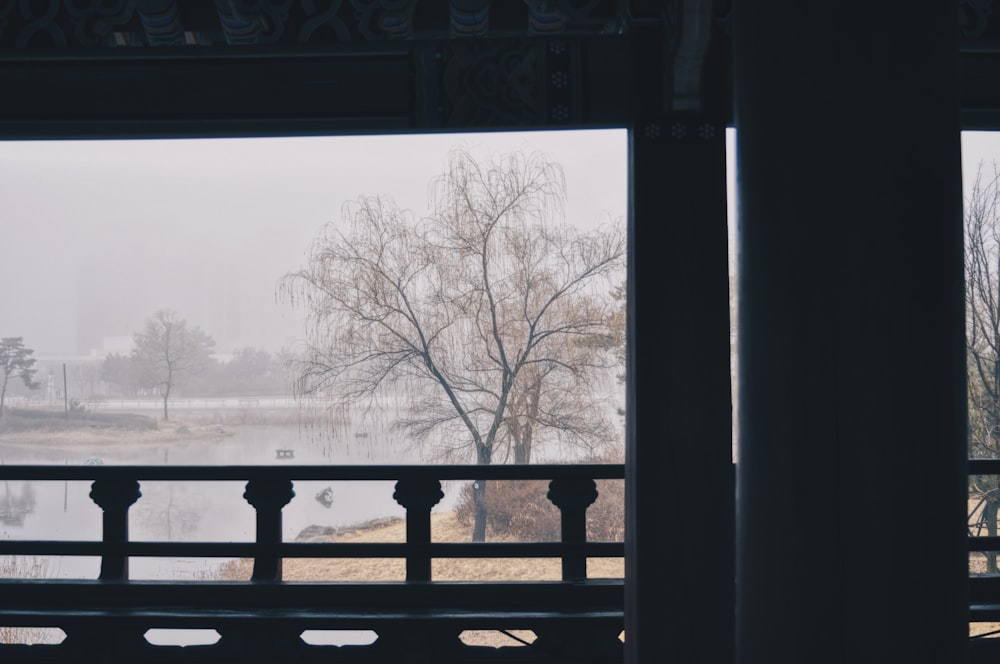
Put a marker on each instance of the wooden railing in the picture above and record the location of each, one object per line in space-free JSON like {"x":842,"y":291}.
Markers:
{"x":984,"y":589}
{"x":420,"y":619}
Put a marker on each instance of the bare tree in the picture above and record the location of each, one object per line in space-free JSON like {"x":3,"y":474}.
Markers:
{"x":982,"y":277}
{"x":480,"y":312}
{"x":167,"y":348}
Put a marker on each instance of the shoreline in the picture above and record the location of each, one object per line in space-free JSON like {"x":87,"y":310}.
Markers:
{"x":75,"y":438}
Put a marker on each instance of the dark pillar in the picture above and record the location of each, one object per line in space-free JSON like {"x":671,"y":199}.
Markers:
{"x":679,"y":539}
{"x":851,"y":545}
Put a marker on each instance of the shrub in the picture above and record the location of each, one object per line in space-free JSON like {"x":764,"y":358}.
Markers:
{"x":515,"y":509}
{"x":520,"y":510}
{"x":606,"y":517}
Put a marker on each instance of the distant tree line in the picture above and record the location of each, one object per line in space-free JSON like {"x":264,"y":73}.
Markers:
{"x":169,"y":356}
{"x":248,"y":372}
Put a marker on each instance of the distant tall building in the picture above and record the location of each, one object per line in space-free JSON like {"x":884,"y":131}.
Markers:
{"x":109,"y":298}
{"x":225,"y":289}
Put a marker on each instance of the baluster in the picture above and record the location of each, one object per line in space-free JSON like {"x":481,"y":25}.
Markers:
{"x":268,"y":497}
{"x":400,"y":641}
{"x":418,"y":496}
{"x":573,"y":497}
{"x":114,"y":496}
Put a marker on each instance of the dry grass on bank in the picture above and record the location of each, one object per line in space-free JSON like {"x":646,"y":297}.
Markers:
{"x":35,"y":421}
{"x":445,"y":527}
{"x":21,"y":568}
{"x":86,"y":430}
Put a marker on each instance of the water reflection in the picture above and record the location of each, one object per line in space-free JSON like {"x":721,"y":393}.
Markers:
{"x":15,"y":505}
{"x":197,"y":511}
{"x":192,"y":511}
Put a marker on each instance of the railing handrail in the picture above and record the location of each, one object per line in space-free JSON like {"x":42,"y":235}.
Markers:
{"x":247,"y":549}
{"x":978,"y":466}
{"x":572,"y":489}
{"x":318,"y":472}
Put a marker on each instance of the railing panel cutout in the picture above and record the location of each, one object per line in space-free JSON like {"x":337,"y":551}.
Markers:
{"x":181,"y":637}
{"x":339,"y":637}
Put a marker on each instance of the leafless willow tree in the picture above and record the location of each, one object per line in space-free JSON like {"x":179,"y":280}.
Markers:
{"x":482,"y":314}
{"x":982,"y":284}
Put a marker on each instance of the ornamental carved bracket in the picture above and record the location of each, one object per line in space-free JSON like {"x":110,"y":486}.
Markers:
{"x":41,"y":25}
{"x":525,"y":82}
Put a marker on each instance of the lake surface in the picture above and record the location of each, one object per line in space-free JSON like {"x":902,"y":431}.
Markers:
{"x":198,"y":511}
{"x":201,"y":511}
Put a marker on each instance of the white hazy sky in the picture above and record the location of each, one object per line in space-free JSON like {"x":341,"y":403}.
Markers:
{"x":99,"y":234}
{"x":978,"y":147}
{"x":112,"y":230}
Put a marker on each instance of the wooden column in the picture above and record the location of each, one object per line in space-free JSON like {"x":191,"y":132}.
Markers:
{"x":679,"y":501}
{"x":851,"y":545}
{"x":679,"y":550}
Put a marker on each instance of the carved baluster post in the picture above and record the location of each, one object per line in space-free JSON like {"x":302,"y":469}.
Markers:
{"x":268,"y":497}
{"x":573,"y":497}
{"x":114,"y":496}
{"x":418,"y":496}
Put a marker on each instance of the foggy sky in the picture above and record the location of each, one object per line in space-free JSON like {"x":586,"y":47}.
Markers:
{"x":978,"y":147}
{"x":97,"y":235}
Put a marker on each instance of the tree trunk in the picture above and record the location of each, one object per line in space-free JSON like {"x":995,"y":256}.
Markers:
{"x":522,"y":445}
{"x":483,"y":458}
{"x":990,"y":508}
{"x":526,"y":432}
{"x":166,"y":395}
{"x":479,"y":501}
{"x":3,"y":394}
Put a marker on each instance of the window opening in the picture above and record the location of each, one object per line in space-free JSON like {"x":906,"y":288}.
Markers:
{"x":981,"y":217}
{"x":155,"y":321}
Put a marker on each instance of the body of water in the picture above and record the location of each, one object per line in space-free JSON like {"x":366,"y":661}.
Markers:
{"x":197,"y":511}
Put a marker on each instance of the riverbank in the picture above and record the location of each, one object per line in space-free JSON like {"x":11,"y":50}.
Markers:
{"x":444,"y":528}
{"x":88,"y":429}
